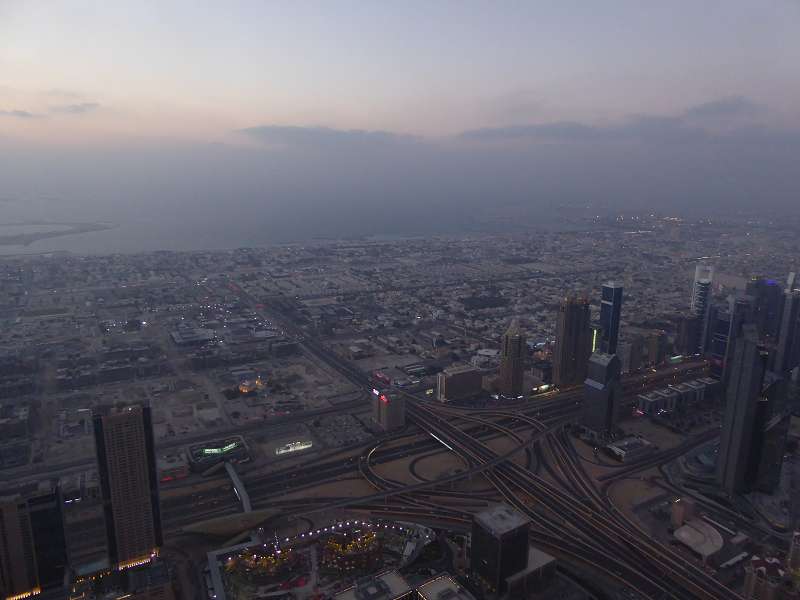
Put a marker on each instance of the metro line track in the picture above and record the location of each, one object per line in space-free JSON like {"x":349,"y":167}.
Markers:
{"x":591,"y":521}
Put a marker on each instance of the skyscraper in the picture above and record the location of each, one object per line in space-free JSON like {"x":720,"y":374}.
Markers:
{"x":499,"y":545}
{"x":771,"y":434}
{"x":719,"y":328}
{"x":610,"y":312}
{"x":49,"y":540}
{"x":33,"y":553}
{"x":787,"y":355}
{"x":701,"y":303}
{"x":688,"y":330}
{"x":739,"y":425}
{"x":603,"y":392}
{"x":573,"y":342}
{"x":128,"y":484}
{"x":18,"y":570}
{"x":512,"y":361}
{"x":741,"y":312}
{"x":768,"y":298}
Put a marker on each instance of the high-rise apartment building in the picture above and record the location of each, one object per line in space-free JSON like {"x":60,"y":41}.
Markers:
{"x":610,"y":313}
{"x":573,"y":342}
{"x":735,"y":457}
{"x":19,"y":577}
{"x":129,"y":484}
{"x":512,"y":361}
{"x":603,"y":393}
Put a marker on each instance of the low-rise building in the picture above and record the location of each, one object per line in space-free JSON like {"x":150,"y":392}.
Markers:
{"x":389,"y":585}
{"x":630,"y":448}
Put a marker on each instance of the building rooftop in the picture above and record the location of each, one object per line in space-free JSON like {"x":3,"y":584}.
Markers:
{"x":443,"y":587}
{"x":700,"y":537}
{"x":537,"y":560}
{"x":388,"y":585}
{"x":458,"y":369}
{"x":501,"y":519}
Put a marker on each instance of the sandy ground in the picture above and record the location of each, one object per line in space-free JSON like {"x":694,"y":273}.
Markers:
{"x":438,"y":465}
{"x":628,"y":492}
{"x":396,"y":470}
{"x":660,"y":436}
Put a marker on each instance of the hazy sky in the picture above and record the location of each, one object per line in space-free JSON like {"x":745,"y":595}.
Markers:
{"x":570,"y":99}
{"x":200,"y":69}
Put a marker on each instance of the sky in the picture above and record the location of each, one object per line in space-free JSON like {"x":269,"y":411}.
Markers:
{"x":526,"y":103}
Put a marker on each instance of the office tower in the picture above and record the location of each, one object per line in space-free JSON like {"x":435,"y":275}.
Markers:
{"x":18,"y":570}
{"x":603,"y":393}
{"x":512,"y":361}
{"x":499,"y":545}
{"x":743,"y":392}
{"x":49,"y":541}
{"x":610,"y":311}
{"x":126,"y":465}
{"x":388,"y":412}
{"x":458,"y":383}
{"x":787,"y":355}
{"x":573,"y":342}
{"x":768,"y":299}
{"x":701,"y":302}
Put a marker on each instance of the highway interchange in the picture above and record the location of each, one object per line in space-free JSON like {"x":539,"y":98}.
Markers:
{"x":571,"y":518}
{"x":541,"y":475}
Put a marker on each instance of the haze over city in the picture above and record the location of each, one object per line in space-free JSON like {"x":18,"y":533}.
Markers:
{"x":280,"y":121}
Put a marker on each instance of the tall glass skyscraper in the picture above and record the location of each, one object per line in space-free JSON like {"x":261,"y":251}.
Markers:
{"x":610,"y":311}
{"x":701,"y":303}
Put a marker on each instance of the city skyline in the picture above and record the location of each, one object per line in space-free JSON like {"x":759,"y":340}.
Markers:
{"x":418,"y":301}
